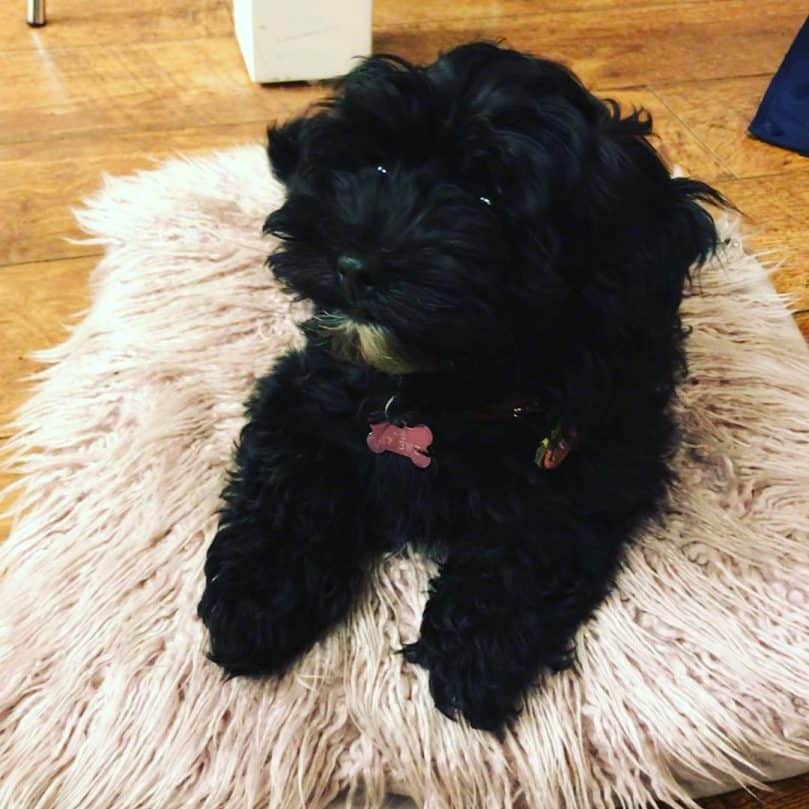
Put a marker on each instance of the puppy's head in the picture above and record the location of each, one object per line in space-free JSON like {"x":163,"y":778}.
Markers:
{"x":480,"y":208}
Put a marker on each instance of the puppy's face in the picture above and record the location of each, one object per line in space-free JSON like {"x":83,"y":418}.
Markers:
{"x":446,"y":216}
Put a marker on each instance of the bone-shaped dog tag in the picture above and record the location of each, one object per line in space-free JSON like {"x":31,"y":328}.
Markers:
{"x":411,"y":442}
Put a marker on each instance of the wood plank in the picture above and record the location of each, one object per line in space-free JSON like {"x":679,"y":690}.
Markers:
{"x":41,"y":184}
{"x":624,"y":47}
{"x":114,"y":22}
{"x":394,"y":12}
{"x":139,"y":87}
{"x":718,"y":113}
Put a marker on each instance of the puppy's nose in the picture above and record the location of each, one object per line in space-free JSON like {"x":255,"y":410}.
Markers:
{"x":355,"y":272}
{"x":348,"y":263}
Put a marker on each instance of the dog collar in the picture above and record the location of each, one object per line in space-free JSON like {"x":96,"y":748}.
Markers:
{"x":552,"y":449}
{"x":414,"y":442}
{"x":513,"y":408}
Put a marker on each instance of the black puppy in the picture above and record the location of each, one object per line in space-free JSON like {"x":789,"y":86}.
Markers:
{"x":496,"y":260}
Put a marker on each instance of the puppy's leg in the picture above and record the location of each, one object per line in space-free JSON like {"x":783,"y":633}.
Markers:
{"x":289,"y":554}
{"x":503,"y":614}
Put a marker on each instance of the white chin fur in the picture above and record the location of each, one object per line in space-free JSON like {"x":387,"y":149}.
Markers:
{"x":365,"y":342}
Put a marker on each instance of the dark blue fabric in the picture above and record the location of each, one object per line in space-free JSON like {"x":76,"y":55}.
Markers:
{"x":783,"y":116}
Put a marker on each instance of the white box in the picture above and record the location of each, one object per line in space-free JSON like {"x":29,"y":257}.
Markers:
{"x":292,"y":40}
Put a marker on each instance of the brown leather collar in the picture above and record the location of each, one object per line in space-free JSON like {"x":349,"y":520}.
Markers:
{"x":554,"y":446}
{"x":511,"y":409}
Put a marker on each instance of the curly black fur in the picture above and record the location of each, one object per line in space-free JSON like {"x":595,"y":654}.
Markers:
{"x":506,"y":236}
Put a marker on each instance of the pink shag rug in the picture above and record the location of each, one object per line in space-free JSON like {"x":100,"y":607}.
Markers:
{"x":694,"y":676}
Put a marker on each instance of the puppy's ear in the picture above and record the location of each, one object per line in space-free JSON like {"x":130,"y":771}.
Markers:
{"x":283,"y":148}
{"x":651,"y":229}
{"x":682,"y":236}
{"x":633,"y":236}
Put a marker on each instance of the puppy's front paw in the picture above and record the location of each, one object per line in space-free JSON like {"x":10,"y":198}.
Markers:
{"x":469,"y":680}
{"x":264,"y":611}
{"x":245,"y":637}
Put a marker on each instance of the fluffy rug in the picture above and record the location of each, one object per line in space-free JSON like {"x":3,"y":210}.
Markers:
{"x":693,"y":676}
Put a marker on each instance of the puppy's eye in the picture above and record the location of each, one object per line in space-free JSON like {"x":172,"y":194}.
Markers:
{"x":486,"y":201}
{"x":381,"y":169}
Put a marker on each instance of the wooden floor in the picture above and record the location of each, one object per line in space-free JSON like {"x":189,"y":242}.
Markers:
{"x":110,"y":86}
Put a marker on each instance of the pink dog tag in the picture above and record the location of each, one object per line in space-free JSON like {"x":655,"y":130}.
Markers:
{"x":412,"y":442}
